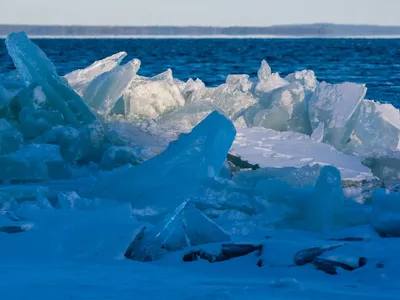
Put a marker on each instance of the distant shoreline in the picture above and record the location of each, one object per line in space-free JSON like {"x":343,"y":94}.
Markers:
{"x":281,"y":31}
{"x":194,"y":37}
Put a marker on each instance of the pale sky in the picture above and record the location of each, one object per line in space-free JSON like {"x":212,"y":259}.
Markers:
{"x":199,"y":12}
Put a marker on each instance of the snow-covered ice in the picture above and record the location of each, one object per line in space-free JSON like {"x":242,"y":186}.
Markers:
{"x":271,"y":149}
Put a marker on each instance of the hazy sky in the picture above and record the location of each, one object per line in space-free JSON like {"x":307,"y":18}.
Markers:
{"x":199,"y":12}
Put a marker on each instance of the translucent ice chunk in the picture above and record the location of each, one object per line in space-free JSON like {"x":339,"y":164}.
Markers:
{"x":264,"y":72}
{"x":34,"y":66}
{"x":386,"y":213}
{"x":164,"y":181}
{"x":80,"y":79}
{"x":185,"y":227}
{"x":337,"y":106}
{"x":104,"y":91}
{"x":268,"y":81}
{"x":327,"y":200}
{"x":306,"y":78}
{"x":282,"y":109}
{"x":149,"y":98}
{"x":228,"y":97}
{"x":378,"y":129}
{"x":185,"y":118}
{"x":240,"y":82}
{"x":194,"y":89}
{"x":274,"y":118}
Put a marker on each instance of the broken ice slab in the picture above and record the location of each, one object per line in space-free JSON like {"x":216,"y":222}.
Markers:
{"x":149,"y":98}
{"x":264,"y":72}
{"x":33,"y":163}
{"x":229,"y":97}
{"x":35,"y":67}
{"x":338,"y":107}
{"x":377,"y":130}
{"x":271,"y":149}
{"x":386,"y":213}
{"x":185,"y":227}
{"x":267,"y":81}
{"x":10,"y":138}
{"x":165,"y":180}
{"x":306,"y":78}
{"x":385,"y":165}
{"x":125,"y":132}
{"x":104,"y":91}
{"x":183,"y":119}
{"x":326,"y":202}
{"x":290,"y":104}
{"x":80,"y":79}
{"x":240,"y":82}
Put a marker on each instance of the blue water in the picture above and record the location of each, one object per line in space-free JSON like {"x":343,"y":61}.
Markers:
{"x":375,"y":62}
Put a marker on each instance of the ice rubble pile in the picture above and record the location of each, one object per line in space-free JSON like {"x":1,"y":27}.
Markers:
{"x":336,"y":114}
{"x":66,"y":134}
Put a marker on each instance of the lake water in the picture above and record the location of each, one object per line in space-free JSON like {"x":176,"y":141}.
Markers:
{"x":375,"y":62}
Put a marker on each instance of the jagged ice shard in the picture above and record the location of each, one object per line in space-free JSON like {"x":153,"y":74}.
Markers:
{"x":164,"y":181}
{"x":186,"y":226}
{"x":149,"y":98}
{"x":104,"y":91}
{"x":80,"y":79}
{"x":35,"y":67}
{"x":338,"y":107}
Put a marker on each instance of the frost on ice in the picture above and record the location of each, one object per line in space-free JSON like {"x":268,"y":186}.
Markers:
{"x":178,"y":164}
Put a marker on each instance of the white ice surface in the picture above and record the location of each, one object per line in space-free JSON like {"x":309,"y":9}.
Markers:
{"x":269,"y":148}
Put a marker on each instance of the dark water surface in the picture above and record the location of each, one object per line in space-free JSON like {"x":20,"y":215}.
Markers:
{"x":375,"y":62}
